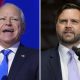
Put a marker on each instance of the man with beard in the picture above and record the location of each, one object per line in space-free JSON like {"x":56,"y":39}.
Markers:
{"x":61,"y":63}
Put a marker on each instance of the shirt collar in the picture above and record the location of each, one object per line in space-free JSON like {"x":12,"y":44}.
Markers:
{"x":63,"y":53}
{"x":78,"y":46}
{"x":13,"y":48}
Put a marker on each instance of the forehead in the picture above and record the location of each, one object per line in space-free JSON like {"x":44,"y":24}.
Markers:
{"x":69,"y":13}
{"x":9,"y":10}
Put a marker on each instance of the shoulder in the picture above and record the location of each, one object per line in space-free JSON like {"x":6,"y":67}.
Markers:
{"x":49,"y":55}
{"x":49,"y":52}
{"x":28,"y":51}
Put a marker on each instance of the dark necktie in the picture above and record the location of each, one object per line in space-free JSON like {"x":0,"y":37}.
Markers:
{"x":77,"y":51}
{"x":4,"y":65}
{"x":73,"y":72}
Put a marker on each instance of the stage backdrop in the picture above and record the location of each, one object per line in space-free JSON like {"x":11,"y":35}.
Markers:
{"x":31,"y":11}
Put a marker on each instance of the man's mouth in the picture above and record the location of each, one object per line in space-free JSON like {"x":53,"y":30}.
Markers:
{"x":68,"y":32}
{"x":8,"y":30}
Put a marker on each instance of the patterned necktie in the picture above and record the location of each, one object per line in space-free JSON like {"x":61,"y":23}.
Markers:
{"x":73,"y":72}
{"x":4,"y":65}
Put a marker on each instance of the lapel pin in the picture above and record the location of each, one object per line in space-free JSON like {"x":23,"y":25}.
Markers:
{"x":23,"y":56}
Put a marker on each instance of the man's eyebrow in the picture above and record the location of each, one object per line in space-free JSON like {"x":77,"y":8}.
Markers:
{"x":11,"y":16}
{"x":2,"y":16}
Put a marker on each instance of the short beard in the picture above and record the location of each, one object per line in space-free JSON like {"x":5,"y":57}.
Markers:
{"x":70,"y":42}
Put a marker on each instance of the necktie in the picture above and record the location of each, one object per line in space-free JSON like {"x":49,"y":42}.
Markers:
{"x":4,"y":65}
{"x":77,"y":51}
{"x":73,"y":73}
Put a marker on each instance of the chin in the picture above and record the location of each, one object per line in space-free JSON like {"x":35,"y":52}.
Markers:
{"x":9,"y":40}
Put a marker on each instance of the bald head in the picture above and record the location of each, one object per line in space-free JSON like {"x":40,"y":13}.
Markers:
{"x":11,"y":24}
{"x":13,"y":7}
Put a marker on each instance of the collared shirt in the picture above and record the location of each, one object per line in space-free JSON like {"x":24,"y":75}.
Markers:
{"x":64,"y":59}
{"x":11,"y":55}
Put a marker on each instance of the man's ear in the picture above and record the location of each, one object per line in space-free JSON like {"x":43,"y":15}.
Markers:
{"x":23,"y":28}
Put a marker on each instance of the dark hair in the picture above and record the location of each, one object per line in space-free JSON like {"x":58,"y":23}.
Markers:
{"x":67,"y":6}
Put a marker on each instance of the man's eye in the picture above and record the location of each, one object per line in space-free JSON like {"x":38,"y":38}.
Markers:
{"x":15,"y":19}
{"x":74,"y":21}
{"x":2,"y":18}
{"x":62,"y":21}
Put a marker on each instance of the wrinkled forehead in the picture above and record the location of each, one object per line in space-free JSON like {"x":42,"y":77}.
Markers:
{"x":10,"y":9}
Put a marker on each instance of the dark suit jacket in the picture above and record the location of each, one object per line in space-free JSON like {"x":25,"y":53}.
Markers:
{"x":25,"y":65}
{"x":50,"y":65}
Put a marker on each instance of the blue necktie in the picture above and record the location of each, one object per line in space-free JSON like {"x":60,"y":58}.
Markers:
{"x":73,"y":72}
{"x":4,"y":65}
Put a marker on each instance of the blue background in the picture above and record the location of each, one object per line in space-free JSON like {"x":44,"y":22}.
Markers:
{"x":30,"y":9}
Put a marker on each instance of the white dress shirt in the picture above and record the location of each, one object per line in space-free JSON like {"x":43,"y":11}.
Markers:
{"x":64,"y":59}
{"x":11,"y":55}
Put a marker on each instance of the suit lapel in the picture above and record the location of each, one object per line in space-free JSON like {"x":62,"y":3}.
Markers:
{"x":17,"y":63}
{"x":55,"y":64}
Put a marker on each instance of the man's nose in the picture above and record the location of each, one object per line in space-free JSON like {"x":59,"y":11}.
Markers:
{"x":8,"y":22}
{"x":68,"y":24}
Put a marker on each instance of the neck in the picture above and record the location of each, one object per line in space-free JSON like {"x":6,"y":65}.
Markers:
{"x":70,"y":45}
{"x":7,"y":45}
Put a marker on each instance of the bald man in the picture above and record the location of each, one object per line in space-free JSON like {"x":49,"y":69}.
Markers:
{"x":22,"y":61}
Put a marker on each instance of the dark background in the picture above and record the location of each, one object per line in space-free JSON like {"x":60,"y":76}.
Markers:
{"x":48,"y":11}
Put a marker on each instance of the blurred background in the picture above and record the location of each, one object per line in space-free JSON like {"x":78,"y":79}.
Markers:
{"x":48,"y":11}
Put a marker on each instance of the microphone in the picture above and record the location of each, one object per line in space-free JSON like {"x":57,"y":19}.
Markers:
{"x":77,"y":51}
